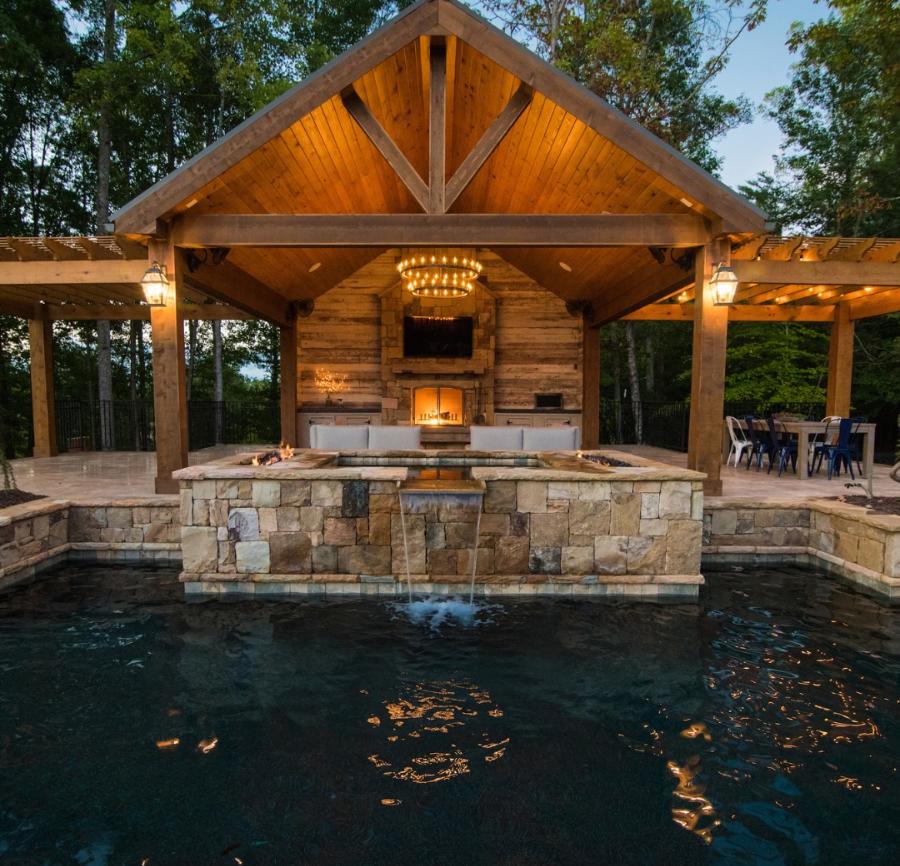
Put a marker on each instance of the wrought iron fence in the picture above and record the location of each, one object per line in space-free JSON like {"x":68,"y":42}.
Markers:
{"x":128,"y":425}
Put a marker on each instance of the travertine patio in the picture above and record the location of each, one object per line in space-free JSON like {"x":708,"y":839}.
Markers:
{"x":123,"y":475}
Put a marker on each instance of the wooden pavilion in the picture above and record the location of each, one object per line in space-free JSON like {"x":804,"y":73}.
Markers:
{"x":438,"y":131}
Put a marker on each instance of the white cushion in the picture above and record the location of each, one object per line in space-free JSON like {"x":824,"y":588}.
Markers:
{"x":384,"y":438}
{"x":331,"y":437}
{"x":562,"y":438}
{"x":507,"y":438}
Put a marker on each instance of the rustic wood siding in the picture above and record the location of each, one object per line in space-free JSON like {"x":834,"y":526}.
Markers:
{"x":538,"y":342}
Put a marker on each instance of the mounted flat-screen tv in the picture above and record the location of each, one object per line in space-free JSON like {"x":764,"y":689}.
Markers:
{"x":436,"y":337}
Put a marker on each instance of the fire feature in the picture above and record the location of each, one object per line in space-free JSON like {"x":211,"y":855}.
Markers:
{"x":267,"y":458}
{"x":438,"y":406}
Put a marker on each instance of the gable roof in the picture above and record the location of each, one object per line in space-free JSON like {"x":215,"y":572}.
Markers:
{"x":627,"y":150}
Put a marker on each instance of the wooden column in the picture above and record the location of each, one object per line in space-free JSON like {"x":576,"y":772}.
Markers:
{"x":288,"y":360}
{"x":43,"y":410}
{"x":708,"y":371}
{"x":169,"y":392}
{"x":840,"y":363}
{"x":590,"y":385}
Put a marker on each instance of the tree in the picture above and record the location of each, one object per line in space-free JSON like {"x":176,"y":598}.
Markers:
{"x":839,"y":165}
{"x":654,"y":60}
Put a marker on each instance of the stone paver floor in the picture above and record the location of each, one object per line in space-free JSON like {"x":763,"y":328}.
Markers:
{"x":126,"y":474}
{"x":101,"y":475}
{"x":760,"y":485}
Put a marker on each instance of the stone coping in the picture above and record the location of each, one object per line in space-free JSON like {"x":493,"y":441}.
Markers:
{"x":559,"y":466}
{"x":887,"y":522}
{"x":35,"y":508}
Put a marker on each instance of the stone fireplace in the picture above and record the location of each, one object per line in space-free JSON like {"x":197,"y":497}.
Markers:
{"x":437,"y":392}
{"x":438,"y":406}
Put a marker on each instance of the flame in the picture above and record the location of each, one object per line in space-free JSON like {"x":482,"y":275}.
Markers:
{"x":206,"y":746}
{"x":167,"y":744}
{"x":283,"y":452}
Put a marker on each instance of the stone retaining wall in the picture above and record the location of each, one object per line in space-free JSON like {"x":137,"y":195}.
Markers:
{"x":36,"y":536}
{"x":597,"y":537}
{"x":843,"y":538}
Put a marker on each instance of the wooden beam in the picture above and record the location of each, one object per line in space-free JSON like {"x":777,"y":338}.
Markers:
{"x":47,"y":272}
{"x":880,"y":305}
{"x":43,"y":411}
{"x":288,"y":362}
{"x":637,"y":291}
{"x":708,"y":372}
{"x":131,"y":312}
{"x":169,"y":391}
{"x":19,"y":309}
{"x":386,"y":146}
{"x":231,"y":285}
{"x":590,"y":385}
{"x":64,"y":252}
{"x":827,"y":273}
{"x":840,"y":363}
{"x":398,"y":230}
{"x":675,"y":170}
{"x":437,"y":126}
{"x":487,"y":144}
{"x":322,"y":85}
{"x":743,"y":313}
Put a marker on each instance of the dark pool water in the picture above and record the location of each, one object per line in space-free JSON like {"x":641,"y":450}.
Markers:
{"x":760,"y":726}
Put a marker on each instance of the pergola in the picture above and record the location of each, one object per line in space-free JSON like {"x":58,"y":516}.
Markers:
{"x":439,"y":130}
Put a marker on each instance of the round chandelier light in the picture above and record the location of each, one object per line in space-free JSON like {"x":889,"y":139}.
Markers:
{"x":439,"y":274}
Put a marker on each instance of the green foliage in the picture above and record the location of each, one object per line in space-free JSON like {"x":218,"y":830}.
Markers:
{"x":840,"y":116}
{"x":654,"y":60}
{"x":783,"y":363}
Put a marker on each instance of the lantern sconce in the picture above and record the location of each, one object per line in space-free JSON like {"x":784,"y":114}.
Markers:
{"x":724,"y":283}
{"x":155,"y":284}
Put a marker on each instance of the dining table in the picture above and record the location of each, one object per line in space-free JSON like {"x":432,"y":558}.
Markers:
{"x":805,"y":431}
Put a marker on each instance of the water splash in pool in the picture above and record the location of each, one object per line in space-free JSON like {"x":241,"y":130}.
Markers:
{"x":437,"y":611}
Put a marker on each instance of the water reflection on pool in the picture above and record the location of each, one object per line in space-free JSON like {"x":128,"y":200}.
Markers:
{"x":759,"y":726}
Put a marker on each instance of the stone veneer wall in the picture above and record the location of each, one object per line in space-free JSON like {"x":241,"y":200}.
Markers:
{"x":537,"y":536}
{"x":38,"y":535}
{"x":33,"y":536}
{"x":844,"y":538}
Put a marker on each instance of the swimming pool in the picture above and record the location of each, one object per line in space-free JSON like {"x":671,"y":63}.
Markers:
{"x":758,"y":726}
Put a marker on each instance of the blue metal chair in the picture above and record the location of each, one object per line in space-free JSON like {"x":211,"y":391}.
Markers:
{"x":759,"y":445}
{"x":840,"y":451}
{"x":856,"y":443}
{"x":821,"y":445}
{"x":781,"y":447}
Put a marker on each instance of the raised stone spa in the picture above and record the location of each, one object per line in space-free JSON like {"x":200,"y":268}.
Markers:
{"x":549,"y":523}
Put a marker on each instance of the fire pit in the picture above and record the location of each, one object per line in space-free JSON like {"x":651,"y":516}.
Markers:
{"x":276,"y":455}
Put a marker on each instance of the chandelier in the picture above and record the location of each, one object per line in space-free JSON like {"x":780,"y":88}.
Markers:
{"x":439,"y":274}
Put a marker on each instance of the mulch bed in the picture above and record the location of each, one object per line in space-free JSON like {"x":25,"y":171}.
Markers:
{"x":17,"y":497}
{"x":875,"y":505}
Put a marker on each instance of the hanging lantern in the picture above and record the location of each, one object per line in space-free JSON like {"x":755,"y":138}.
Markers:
{"x":155,"y":284}
{"x":724,"y":284}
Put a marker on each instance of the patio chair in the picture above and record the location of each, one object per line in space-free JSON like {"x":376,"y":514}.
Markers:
{"x":820,"y":445}
{"x":561,"y":437}
{"x":505,"y":438}
{"x":383,"y":437}
{"x":781,"y":447}
{"x":759,"y":444}
{"x":839,"y":452}
{"x":739,"y":441}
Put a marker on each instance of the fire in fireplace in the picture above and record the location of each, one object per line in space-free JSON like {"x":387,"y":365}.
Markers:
{"x":438,"y":406}
{"x":267,"y":458}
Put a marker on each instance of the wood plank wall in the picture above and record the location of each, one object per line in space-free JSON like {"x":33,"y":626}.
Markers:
{"x":538,"y":344}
